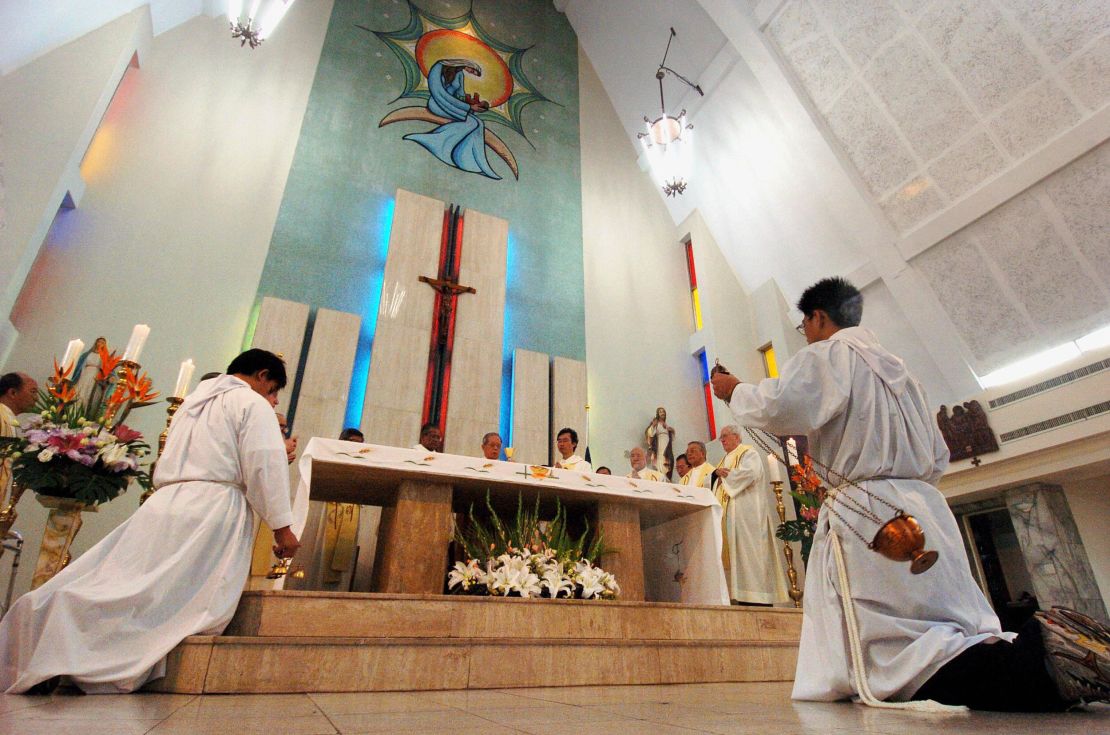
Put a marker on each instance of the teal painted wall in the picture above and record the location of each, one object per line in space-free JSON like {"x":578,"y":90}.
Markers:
{"x":330,"y":240}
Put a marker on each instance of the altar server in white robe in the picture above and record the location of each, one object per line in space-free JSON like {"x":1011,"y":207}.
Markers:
{"x":751,"y":556}
{"x":868,"y":419}
{"x":701,"y":471}
{"x":566,"y":441}
{"x":176,"y":567}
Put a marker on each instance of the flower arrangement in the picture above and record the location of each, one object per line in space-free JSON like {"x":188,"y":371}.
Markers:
{"x":81,"y":449}
{"x":530,"y":558}
{"x":810,"y":494}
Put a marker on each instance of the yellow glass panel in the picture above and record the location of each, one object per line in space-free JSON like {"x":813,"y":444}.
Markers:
{"x":697,"y":309}
{"x":770,"y":366}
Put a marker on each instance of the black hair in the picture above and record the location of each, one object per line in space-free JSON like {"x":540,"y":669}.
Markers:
{"x":573,"y":435}
{"x":349,"y":432}
{"x":426,"y":428}
{"x":254,"y":360}
{"x":209,"y":376}
{"x":603,"y":467}
{"x":486,"y":438}
{"x":836,"y":297}
{"x":10,"y":381}
{"x":683,"y":457}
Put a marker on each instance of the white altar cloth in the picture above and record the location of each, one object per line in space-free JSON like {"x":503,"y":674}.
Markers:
{"x":680,"y":526}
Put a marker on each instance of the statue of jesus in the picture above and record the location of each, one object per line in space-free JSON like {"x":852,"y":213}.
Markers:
{"x":660,"y":437}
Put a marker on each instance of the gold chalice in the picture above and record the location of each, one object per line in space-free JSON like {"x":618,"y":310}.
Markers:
{"x":509,"y":454}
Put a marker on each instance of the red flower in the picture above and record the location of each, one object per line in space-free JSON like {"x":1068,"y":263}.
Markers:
{"x":126,"y":434}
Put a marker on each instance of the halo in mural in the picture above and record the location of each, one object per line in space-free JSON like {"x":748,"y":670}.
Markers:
{"x":467,"y":79}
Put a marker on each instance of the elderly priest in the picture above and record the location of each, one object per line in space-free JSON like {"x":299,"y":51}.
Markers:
{"x":177,"y":566}
{"x":750,"y":555}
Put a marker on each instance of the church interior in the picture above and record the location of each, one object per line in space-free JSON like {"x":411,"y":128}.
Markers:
{"x":520,"y":216}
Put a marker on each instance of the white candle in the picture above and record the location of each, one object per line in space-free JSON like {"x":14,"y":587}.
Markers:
{"x":792,"y":452}
{"x":773,"y":471}
{"x":184,"y":376}
{"x":135,"y":344}
{"x":73,"y":351}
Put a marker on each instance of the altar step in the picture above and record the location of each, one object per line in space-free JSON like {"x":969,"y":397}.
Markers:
{"x":334,"y":642}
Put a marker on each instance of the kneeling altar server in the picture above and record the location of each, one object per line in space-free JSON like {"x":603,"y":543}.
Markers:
{"x":871,"y":628}
{"x":177,"y":566}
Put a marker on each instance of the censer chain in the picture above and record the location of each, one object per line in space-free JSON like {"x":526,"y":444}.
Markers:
{"x":761,"y":438}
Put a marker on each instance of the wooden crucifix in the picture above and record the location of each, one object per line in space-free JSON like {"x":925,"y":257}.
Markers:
{"x":447,"y":287}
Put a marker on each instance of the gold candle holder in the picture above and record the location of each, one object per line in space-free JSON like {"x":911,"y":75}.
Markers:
{"x":174,"y":404}
{"x":280,"y":569}
{"x":8,"y":515}
{"x":788,"y":552}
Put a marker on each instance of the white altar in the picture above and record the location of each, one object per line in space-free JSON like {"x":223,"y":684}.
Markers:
{"x":669,"y":536}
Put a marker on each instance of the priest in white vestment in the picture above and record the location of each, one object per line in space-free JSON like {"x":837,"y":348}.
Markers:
{"x":701,"y":472}
{"x":868,"y":420}
{"x":566,"y":441}
{"x":431,"y":439}
{"x":751,"y":556}
{"x":177,"y":566}
{"x":18,"y":392}
{"x":637,"y":458}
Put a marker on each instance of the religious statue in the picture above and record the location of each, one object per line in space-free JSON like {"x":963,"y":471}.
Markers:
{"x":86,"y":370}
{"x":660,"y":437}
{"x":967,"y":431}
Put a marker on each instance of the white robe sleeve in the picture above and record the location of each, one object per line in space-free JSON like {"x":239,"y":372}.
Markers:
{"x":745,"y":476}
{"x":265,"y":469}
{"x":813,"y":387}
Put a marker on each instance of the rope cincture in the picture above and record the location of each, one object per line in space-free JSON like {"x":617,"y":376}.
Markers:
{"x":859,"y":674}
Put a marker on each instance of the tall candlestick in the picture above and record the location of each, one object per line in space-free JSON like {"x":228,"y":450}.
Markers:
{"x":791,"y":452}
{"x":73,"y":351}
{"x":135,"y":344}
{"x":184,"y":376}
{"x":774,"y":474}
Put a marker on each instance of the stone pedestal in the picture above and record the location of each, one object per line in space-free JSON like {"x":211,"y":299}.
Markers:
{"x":414,"y":536}
{"x":62,"y":525}
{"x":1053,"y":551}
{"x":619,"y":524}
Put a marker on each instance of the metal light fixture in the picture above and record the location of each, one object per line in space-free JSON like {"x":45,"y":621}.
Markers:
{"x":668,"y":140}
{"x":259,"y":22}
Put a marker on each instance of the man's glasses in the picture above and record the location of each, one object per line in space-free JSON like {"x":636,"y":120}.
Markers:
{"x":801,"y":327}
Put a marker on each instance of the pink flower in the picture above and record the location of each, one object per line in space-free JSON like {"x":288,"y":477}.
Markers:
{"x":810,"y":513}
{"x":126,"y":434}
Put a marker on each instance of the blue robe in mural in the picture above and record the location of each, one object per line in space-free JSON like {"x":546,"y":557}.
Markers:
{"x":461,"y":142}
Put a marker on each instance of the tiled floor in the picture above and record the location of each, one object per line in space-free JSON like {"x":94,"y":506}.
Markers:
{"x":633,"y":710}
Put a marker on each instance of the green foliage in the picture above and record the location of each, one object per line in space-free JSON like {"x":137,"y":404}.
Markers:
{"x":798,"y":530}
{"x":489,"y":539}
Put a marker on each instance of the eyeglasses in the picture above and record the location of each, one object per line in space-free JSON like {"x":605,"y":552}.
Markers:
{"x":801,"y":327}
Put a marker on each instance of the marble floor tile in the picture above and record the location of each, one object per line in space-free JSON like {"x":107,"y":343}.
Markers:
{"x":438,"y":721}
{"x":102,"y":726}
{"x":250,"y":705}
{"x":608,"y":727}
{"x":108,"y":706}
{"x":480,"y":699}
{"x":186,"y":724}
{"x":522,"y":716}
{"x":355,"y":703}
{"x":13,"y":702}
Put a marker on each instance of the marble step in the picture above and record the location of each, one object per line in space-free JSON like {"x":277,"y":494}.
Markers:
{"x":370,"y":615}
{"x":289,"y":664}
